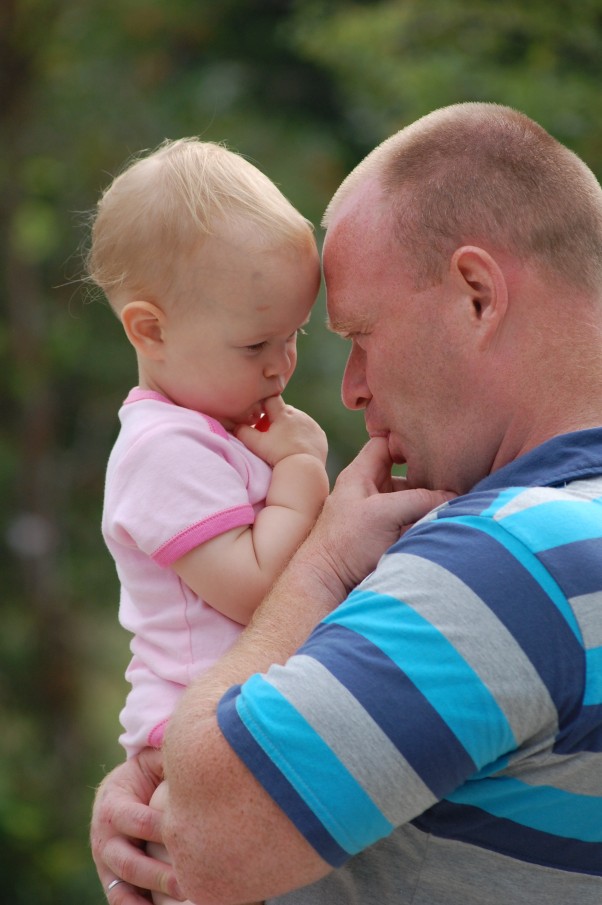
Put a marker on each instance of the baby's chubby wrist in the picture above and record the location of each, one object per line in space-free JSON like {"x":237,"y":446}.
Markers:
{"x":300,"y":481}
{"x":306,"y":459}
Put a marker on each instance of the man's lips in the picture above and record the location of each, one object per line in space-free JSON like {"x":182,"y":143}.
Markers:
{"x":378,"y":433}
{"x":396,"y":456}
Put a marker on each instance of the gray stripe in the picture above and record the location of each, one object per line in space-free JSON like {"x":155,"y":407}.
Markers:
{"x":589,"y":490}
{"x":580,"y":775}
{"x":588,"y":611}
{"x":411,"y":866}
{"x":536,"y":496}
{"x":356,"y":739}
{"x":461,"y":616}
{"x":533,"y":496}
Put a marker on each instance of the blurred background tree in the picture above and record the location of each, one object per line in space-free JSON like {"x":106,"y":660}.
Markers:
{"x":303,"y":89}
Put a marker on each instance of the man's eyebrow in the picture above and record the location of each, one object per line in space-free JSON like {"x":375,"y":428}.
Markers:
{"x":346,"y":328}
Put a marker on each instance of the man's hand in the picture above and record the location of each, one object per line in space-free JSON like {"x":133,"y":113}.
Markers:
{"x":291,"y":432}
{"x":367,"y":512}
{"x":121,"y":823}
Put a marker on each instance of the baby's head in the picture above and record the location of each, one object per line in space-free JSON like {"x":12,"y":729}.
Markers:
{"x":193,"y":244}
{"x":153,"y":218}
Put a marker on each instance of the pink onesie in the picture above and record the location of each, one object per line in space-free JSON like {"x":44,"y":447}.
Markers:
{"x":175,"y":479}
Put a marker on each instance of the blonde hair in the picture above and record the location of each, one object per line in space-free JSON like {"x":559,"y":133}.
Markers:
{"x":164,"y":204}
{"x":479,"y":172}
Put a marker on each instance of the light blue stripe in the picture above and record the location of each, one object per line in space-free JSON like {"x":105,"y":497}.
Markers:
{"x":464,"y":703}
{"x":555,"y":523}
{"x":522,"y":554}
{"x":311,"y":767}
{"x":542,"y":808}
{"x":593,"y":676}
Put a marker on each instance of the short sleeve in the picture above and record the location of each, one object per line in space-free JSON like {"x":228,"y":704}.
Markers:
{"x":416,"y":686}
{"x":175,"y":487}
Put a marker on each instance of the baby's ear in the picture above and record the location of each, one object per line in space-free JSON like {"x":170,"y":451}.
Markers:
{"x":144,"y":323}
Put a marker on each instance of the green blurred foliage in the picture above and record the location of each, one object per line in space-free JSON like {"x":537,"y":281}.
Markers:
{"x":304,"y":89}
{"x":395,"y":60}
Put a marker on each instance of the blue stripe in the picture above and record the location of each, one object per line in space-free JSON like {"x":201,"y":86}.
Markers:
{"x":476,"y":827}
{"x":576,"y":567}
{"x":518,"y":590}
{"x":311,"y":767}
{"x":555,"y":523}
{"x":508,"y":495}
{"x":541,"y":808}
{"x":434,"y":753}
{"x":273,"y":781}
{"x":525,"y":557}
{"x":417,"y":647}
{"x":593,"y":679}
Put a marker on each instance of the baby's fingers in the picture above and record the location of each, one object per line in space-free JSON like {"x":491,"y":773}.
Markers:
{"x":273,"y":407}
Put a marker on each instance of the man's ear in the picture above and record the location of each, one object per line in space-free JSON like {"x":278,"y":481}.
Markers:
{"x":144,"y":324}
{"x":483,"y":286}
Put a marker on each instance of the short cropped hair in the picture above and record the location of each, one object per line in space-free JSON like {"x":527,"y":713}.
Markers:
{"x":162,"y":206}
{"x":483,"y":173}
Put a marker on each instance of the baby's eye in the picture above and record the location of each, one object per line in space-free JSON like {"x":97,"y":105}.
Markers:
{"x":256,"y":347}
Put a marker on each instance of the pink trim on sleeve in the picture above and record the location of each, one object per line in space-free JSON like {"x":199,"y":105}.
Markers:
{"x":157,"y":733}
{"x":195,"y":535}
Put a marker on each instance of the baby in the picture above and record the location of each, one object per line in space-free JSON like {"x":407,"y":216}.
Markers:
{"x":212,"y":273}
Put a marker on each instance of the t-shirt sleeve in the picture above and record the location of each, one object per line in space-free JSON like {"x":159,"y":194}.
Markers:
{"x":169,"y":493}
{"x":424,"y":679}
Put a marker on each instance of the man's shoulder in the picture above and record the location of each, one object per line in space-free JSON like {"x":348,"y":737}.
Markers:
{"x":513,"y":506}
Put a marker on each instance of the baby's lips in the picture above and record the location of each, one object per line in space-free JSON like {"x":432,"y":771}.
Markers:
{"x":263,"y":424}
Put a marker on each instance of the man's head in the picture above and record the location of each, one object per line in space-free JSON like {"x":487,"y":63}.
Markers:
{"x":483,"y":174}
{"x":463,"y":258}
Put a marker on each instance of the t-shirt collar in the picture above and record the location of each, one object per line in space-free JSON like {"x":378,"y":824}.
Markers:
{"x":556,"y":462}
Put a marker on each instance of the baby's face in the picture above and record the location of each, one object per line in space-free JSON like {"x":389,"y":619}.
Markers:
{"x":237,"y":346}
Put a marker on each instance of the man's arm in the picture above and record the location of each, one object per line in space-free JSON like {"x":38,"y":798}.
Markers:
{"x":227,"y":837}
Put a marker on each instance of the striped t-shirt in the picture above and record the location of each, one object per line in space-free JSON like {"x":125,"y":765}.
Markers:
{"x":439,"y":736}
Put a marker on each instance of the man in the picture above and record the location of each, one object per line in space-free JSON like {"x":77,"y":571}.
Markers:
{"x":438,"y":737}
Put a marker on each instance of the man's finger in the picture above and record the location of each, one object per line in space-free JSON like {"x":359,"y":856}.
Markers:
{"x":372,"y":464}
{"x":415,"y":504}
{"x":124,"y":860}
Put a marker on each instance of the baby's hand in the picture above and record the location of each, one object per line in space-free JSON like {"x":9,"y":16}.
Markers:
{"x":291,"y":432}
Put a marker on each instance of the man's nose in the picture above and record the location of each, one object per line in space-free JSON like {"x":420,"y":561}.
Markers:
{"x":354,"y":391}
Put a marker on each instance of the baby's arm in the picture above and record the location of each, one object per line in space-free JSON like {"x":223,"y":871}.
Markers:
{"x":233,"y":572}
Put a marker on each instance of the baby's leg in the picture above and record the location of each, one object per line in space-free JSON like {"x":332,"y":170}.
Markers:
{"x":159,"y":852}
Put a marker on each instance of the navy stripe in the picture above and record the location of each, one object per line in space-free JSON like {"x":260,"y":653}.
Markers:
{"x":577,"y":567}
{"x":471,"y":504}
{"x":273,"y":781}
{"x":509,"y":590}
{"x":476,"y":827}
{"x":434,"y":752}
{"x":583,"y":734}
